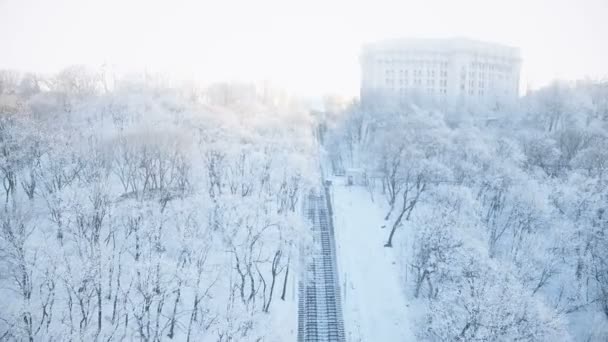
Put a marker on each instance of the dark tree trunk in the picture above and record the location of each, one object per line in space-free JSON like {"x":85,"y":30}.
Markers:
{"x":285,"y":282}
{"x":407,"y":207}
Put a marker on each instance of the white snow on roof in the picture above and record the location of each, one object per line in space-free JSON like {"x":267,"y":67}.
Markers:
{"x":441,"y":45}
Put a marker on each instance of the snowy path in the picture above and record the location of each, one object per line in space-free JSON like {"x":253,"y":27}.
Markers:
{"x":374,"y":304}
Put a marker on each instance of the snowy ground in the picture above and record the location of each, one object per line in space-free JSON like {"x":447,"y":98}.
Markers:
{"x":375,"y":307}
{"x":284,"y":324}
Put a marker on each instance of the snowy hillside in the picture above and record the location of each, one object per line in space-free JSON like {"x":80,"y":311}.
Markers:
{"x":139,"y":211}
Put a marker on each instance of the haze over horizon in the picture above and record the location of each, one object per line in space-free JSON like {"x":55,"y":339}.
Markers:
{"x":309,"y":48}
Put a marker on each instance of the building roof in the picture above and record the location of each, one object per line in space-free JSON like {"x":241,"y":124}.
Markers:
{"x":449,"y":45}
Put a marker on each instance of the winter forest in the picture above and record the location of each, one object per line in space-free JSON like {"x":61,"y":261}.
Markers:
{"x":303,"y":171}
{"x":498,"y":218}
{"x":131,"y":211}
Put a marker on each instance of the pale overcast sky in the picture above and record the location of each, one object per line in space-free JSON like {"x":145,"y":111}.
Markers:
{"x":311,"y":46}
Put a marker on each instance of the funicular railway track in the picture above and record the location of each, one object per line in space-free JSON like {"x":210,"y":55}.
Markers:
{"x":320,"y":304}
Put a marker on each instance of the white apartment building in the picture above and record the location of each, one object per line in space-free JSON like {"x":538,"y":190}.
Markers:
{"x":447,"y":71}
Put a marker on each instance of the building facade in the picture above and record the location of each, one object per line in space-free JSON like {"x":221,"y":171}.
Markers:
{"x":446,"y":71}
